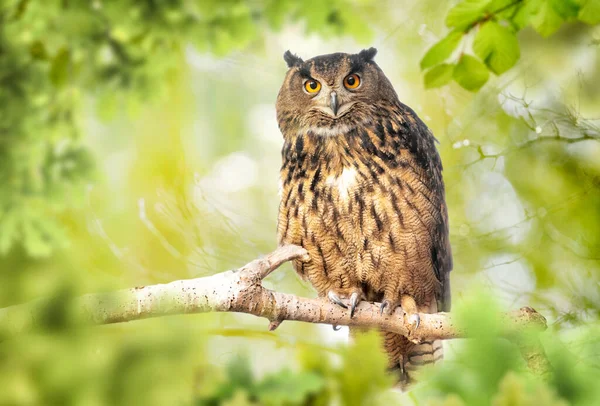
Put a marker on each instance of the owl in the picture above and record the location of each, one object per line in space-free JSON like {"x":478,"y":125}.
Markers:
{"x":361,"y":190}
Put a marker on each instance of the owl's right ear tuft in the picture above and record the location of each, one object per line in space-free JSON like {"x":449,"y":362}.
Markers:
{"x":291,"y":59}
{"x":367,"y":55}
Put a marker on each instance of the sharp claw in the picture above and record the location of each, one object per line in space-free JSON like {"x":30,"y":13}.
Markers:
{"x":336,"y":328}
{"x":336,"y":299}
{"x":415,"y":319}
{"x":353,"y":303}
{"x":384,"y":304}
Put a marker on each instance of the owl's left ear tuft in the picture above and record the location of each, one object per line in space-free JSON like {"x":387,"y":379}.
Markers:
{"x":367,"y":55}
{"x":291,"y":59}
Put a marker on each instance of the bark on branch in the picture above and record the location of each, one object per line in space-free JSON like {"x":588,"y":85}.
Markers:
{"x":242,"y":291}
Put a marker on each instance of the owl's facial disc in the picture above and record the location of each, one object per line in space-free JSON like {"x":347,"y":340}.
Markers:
{"x":331,"y":95}
{"x":332,"y":106}
{"x":332,"y":102}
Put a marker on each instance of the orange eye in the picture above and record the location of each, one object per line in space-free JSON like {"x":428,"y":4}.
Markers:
{"x":312,"y":86}
{"x":352,"y":81}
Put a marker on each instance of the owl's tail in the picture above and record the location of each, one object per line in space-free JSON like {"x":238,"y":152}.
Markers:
{"x":405,"y":358}
{"x":408,"y":358}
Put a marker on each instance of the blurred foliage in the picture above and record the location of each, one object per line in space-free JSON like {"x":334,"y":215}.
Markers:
{"x":490,"y":371}
{"x":53,"y":54}
{"x":357,"y":378}
{"x":492,"y":27}
{"x":138,"y":145}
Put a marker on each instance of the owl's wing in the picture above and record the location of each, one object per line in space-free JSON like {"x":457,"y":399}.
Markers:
{"x":415,"y":136}
{"x":441,"y":253}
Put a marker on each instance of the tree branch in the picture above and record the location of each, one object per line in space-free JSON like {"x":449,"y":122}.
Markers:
{"x":242,"y":291}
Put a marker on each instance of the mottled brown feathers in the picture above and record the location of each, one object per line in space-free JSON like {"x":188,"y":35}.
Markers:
{"x":362,"y":191}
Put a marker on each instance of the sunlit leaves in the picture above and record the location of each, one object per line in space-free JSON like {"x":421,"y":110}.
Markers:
{"x":485,"y":359}
{"x":240,"y":384}
{"x":58,"y":366}
{"x":565,"y":8}
{"x":38,"y":50}
{"x":470,"y":73}
{"x":450,"y":400}
{"x":466,"y":13}
{"x":59,"y":71}
{"x":494,"y":24}
{"x":513,"y":391}
{"x":441,"y":50}
{"x":523,"y":14}
{"x":114,"y":51}
{"x":27,"y":225}
{"x":9,"y":223}
{"x":288,"y":388}
{"x":364,"y":370}
{"x":547,"y":19}
{"x":439,"y":75}
{"x":497,"y":46}
{"x":590,"y":12}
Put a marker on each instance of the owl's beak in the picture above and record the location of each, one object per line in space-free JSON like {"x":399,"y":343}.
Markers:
{"x":333,"y":103}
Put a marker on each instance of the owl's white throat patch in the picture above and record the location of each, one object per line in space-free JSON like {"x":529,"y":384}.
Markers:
{"x":334,"y":131}
{"x":344,"y":182}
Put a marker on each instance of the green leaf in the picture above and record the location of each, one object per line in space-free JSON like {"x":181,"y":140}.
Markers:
{"x":9,"y":222}
{"x":438,"y":75}
{"x":288,"y":388}
{"x":35,"y":241}
{"x":590,"y":12}
{"x":565,"y":8}
{"x":59,"y":70}
{"x":466,"y":13}
{"x":470,"y":73}
{"x":504,"y":7}
{"x":37,"y":50}
{"x":547,"y":19}
{"x":546,"y":16}
{"x":362,"y":374}
{"x":526,"y":13}
{"x":240,"y":373}
{"x":441,"y":50}
{"x":497,"y":46}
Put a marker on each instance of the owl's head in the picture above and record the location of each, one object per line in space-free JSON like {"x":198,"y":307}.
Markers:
{"x":331,"y":94}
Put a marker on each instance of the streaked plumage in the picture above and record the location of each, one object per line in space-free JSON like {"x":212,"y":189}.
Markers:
{"x":362,"y":191}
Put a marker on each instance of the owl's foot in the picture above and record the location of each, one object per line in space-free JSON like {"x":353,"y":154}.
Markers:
{"x":409,"y":306}
{"x":415,"y":320}
{"x":335,"y":299}
{"x":388,"y":306}
{"x":354,"y":298}
{"x":410,"y":311}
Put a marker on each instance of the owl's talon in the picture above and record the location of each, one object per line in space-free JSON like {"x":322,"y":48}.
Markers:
{"x":336,"y":299}
{"x":336,"y":327}
{"x":354,"y":299}
{"x":415,"y":320}
{"x":384,"y":304}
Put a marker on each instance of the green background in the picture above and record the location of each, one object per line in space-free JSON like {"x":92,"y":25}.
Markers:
{"x":138,"y":145}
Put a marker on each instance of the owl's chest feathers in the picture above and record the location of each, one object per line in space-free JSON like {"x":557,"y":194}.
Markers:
{"x":347,"y":182}
{"x":325,"y":171}
{"x":343,"y":184}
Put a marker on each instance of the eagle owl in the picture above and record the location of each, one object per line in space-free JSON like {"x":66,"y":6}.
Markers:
{"x":362,"y":192}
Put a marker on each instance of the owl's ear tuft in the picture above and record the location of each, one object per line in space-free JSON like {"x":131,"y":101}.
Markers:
{"x":291,"y":59}
{"x":367,"y":55}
